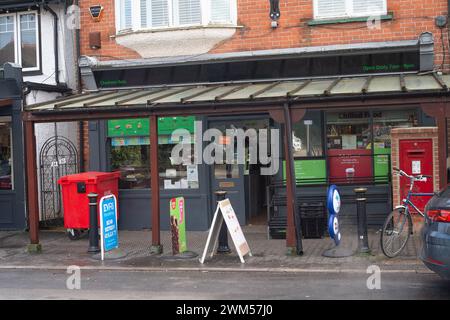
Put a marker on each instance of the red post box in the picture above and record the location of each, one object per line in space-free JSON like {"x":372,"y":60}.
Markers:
{"x":416,"y":157}
{"x":75,"y":190}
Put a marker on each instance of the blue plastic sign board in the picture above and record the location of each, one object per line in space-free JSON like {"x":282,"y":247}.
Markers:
{"x":108,"y":223}
{"x":333,"y":229}
{"x":333,"y":200}
{"x":334,"y":206}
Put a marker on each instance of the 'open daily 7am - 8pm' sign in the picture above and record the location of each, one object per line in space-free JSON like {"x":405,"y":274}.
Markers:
{"x":108,"y":224}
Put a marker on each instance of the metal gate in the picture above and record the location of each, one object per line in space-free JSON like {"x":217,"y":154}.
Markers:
{"x":57,"y":158}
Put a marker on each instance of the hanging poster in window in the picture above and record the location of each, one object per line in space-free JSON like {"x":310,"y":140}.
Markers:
{"x":350,"y":166}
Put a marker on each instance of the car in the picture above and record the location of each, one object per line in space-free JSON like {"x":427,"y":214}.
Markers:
{"x":435,"y":233}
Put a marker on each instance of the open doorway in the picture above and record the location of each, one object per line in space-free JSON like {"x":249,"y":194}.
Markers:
{"x":245,"y":185}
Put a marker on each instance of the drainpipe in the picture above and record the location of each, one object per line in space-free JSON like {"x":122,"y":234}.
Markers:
{"x":55,"y":35}
{"x":80,"y":123}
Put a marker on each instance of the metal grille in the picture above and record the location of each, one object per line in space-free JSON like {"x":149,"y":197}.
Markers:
{"x":57,"y":158}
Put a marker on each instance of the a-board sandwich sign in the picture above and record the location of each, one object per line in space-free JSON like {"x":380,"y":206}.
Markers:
{"x":108,"y":224}
{"x":228,"y":215}
{"x":178,"y":225}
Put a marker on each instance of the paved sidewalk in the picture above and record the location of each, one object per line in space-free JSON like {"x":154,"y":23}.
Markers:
{"x":268,"y":255}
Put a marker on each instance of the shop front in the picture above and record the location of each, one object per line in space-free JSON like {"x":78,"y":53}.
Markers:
{"x":12,"y":199}
{"x":341,"y":138}
{"x":349,"y":148}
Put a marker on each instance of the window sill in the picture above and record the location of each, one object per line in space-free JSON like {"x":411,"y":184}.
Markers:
{"x":164,"y":42}
{"x":319,"y":22}
{"x":182,"y":28}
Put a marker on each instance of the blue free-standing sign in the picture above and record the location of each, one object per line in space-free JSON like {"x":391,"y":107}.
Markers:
{"x":108,"y":223}
{"x":334,"y":206}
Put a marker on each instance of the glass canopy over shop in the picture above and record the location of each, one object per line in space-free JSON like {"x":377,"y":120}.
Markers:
{"x":326,"y":113}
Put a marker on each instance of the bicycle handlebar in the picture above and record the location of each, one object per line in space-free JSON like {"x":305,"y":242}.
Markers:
{"x":418,"y":177}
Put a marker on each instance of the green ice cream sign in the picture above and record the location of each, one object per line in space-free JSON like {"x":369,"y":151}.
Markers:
{"x":178,"y":225}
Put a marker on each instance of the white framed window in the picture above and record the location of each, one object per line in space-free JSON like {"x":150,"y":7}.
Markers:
{"x":327,"y":9}
{"x":19,"y":39}
{"x":160,"y":14}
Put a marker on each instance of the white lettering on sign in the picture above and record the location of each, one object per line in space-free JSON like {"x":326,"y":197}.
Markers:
{"x":108,"y":207}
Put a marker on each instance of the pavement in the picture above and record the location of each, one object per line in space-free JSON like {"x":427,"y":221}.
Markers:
{"x":268,"y":255}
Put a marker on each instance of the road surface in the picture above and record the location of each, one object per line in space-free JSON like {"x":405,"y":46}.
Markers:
{"x":44,"y":284}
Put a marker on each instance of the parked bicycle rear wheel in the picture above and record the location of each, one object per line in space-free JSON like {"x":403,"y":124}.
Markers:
{"x":395,"y":234}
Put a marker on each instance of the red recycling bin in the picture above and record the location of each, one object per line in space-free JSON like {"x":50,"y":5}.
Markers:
{"x":75,"y":190}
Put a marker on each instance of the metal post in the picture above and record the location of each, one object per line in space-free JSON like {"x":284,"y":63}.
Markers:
{"x":363,"y":240}
{"x":93,"y":224}
{"x":223,"y":235}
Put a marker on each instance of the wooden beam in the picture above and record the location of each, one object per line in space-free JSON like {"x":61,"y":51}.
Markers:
{"x":154,"y":173}
{"x":294,"y":230}
{"x":32,"y":187}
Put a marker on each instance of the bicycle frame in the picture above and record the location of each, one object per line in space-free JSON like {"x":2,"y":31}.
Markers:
{"x":407,"y":202}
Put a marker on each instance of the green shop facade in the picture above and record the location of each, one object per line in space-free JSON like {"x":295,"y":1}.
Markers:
{"x":340,"y":112}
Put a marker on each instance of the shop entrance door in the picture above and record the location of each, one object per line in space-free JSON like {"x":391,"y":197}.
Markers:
{"x":243,"y":183}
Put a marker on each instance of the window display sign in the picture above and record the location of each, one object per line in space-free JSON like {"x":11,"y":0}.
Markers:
{"x":141,"y":126}
{"x":310,"y":171}
{"x":178,"y":225}
{"x":128,"y":127}
{"x":381,"y":164}
{"x":350,"y":166}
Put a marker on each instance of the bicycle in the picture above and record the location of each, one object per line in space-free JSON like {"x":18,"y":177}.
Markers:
{"x":398,"y":225}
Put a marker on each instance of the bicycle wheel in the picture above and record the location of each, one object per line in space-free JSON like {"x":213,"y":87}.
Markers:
{"x":395,"y":234}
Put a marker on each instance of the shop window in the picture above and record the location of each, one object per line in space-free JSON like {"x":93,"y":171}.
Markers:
{"x":130,"y":153}
{"x":6,"y":154}
{"x":307,"y":136}
{"x":383,"y":123}
{"x":349,"y":147}
{"x":307,"y":143}
{"x":159,"y":14}
{"x":19,"y":40}
{"x":326,"y":9}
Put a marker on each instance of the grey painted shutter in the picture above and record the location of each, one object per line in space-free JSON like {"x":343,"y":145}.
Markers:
{"x":220,"y":11}
{"x":368,"y":7}
{"x":330,"y":8}
{"x":189,"y":12}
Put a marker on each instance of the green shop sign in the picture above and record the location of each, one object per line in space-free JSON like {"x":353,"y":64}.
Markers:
{"x":309,"y":171}
{"x":141,"y":126}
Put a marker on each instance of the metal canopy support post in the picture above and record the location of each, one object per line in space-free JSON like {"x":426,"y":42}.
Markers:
{"x":293,"y":219}
{"x":154,"y":170}
{"x":32,"y":188}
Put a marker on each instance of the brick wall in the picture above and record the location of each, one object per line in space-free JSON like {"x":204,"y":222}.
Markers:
{"x":411,"y":17}
{"x":110,"y":50}
{"x":398,"y":134}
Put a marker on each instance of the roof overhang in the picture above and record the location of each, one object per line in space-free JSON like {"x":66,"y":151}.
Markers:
{"x":314,"y":51}
{"x":231,"y":98}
